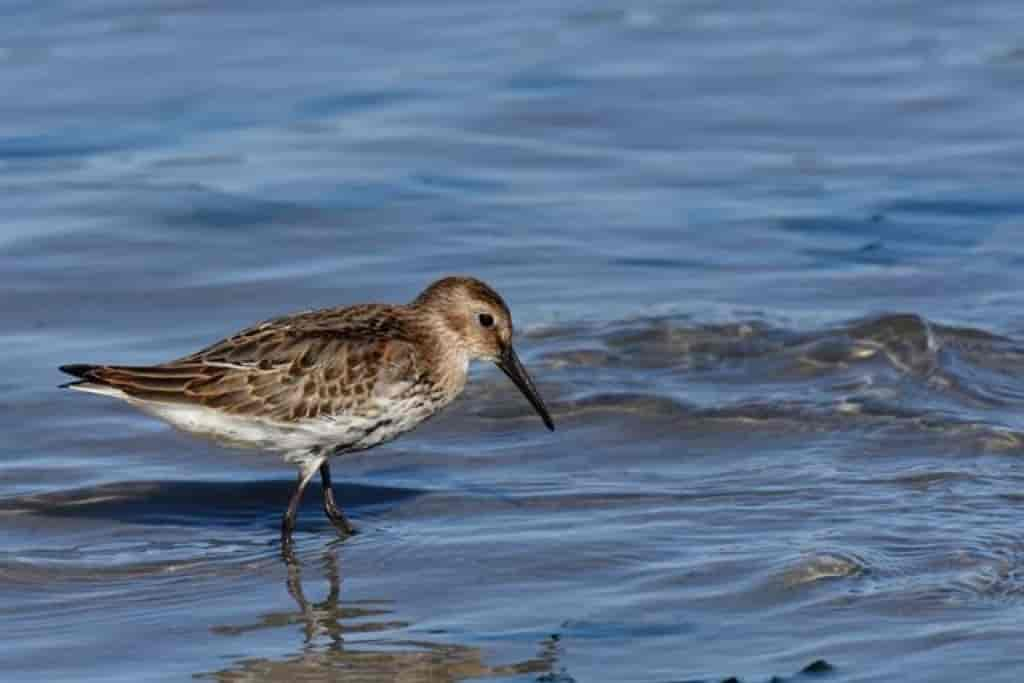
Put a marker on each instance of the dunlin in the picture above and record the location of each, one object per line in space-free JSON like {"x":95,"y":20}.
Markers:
{"x":324,"y":383}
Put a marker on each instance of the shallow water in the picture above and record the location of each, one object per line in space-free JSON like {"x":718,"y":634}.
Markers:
{"x":765,"y":265}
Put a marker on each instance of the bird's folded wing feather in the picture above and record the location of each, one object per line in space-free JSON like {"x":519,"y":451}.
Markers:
{"x":281,"y":373}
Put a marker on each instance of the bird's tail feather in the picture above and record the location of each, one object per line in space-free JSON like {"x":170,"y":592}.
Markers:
{"x":80,"y":370}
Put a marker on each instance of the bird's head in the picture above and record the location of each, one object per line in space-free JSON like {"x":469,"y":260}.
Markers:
{"x":478,"y":319}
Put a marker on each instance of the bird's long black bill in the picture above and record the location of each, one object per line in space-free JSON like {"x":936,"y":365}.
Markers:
{"x":511,"y":366}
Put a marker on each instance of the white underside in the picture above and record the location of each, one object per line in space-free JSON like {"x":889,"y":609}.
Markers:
{"x":298,"y":441}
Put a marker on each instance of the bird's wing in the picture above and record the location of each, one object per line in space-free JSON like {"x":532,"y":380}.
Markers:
{"x":282,"y":372}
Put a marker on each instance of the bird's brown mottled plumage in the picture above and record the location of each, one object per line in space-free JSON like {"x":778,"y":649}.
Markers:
{"x":292,"y":368}
{"x":330,"y":381}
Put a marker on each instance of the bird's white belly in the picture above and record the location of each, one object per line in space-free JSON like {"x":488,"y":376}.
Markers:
{"x":342,"y":433}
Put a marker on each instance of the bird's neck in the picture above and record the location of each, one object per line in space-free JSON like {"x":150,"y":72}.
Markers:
{"x":451,"y":354}
{"x":453,"y":371}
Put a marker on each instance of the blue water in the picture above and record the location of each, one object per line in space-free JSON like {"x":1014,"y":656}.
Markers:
{"x":764,"y":260}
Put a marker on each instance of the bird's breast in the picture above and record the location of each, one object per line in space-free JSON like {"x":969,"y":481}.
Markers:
{"x":389,"y":419}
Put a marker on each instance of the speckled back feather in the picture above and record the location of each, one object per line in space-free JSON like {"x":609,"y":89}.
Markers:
{"x":292,"y":368}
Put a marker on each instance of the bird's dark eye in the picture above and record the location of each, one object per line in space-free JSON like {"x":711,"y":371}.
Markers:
{"x":485,"y":319}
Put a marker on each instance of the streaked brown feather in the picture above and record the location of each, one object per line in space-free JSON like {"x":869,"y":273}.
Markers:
{"x":292,"y":368}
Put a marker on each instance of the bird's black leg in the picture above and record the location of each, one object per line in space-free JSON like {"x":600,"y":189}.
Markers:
{"x":334,"y":513}
{"x":306,"y":472}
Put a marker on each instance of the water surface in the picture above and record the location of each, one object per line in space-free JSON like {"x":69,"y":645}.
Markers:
{"x":765,"y":266}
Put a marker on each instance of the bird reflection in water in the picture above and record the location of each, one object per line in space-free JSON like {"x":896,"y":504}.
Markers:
{"x":324,"y":654}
